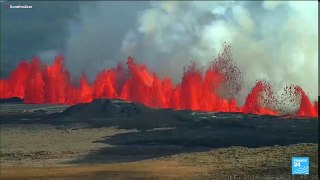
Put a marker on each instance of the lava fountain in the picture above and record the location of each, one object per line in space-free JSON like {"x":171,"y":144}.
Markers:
{"x":210,"y":89}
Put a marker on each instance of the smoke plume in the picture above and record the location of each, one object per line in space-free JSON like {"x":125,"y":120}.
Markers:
{"x":274,"y":41}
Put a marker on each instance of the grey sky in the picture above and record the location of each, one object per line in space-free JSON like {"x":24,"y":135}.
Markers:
{"x":25,"y":32}
{"x":50,"y":27}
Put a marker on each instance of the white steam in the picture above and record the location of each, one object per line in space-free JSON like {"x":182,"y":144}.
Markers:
{"x":277,"y":41}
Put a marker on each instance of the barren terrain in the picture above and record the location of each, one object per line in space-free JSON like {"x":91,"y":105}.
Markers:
{"x":118,"y":140}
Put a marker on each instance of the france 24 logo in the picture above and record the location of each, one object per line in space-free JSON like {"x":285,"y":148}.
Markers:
{"x":300,"y":165}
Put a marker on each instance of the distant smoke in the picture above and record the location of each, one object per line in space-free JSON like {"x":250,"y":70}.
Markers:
{"x":276,"y":41}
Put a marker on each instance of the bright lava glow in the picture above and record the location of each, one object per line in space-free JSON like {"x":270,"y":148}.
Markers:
{"x":198,"y":89}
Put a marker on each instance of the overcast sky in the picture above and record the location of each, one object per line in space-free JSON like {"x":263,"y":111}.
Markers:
{"x":273,"y":40}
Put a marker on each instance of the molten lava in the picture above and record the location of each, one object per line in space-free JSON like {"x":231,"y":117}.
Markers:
{"x":210,"y":90}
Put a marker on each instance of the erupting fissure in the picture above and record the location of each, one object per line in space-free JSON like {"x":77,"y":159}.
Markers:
{"x":211,"y":90}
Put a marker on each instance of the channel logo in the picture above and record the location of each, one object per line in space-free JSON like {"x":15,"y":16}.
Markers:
{"x":300,"y":165}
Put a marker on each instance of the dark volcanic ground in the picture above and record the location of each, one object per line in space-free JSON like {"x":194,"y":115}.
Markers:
{"x":113,"y":131}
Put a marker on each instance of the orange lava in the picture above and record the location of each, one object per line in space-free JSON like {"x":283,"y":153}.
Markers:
{"x":198,"y":89}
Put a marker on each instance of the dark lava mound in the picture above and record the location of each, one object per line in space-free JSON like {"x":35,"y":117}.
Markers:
{"x":11,"y":100}
{"x":105,"y":108}
{"x":121,"y":113}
